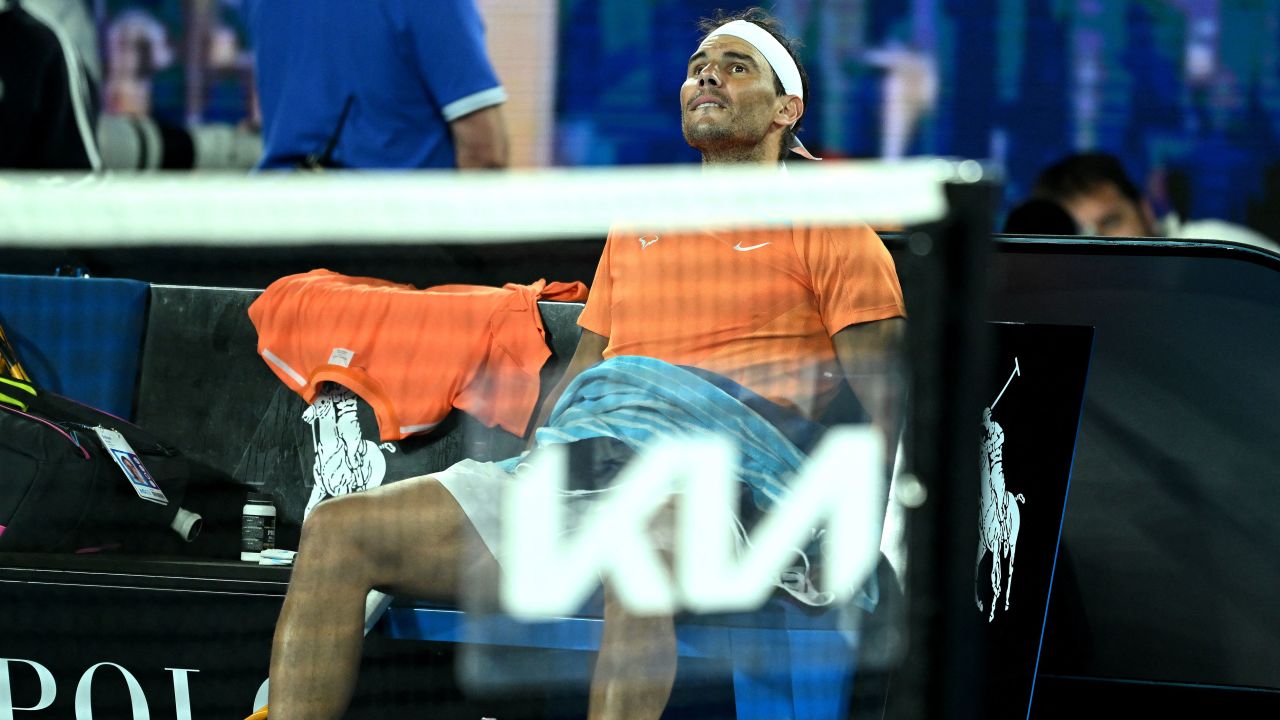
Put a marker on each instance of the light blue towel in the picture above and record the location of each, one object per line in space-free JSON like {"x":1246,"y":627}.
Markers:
{"x":638,"y":399}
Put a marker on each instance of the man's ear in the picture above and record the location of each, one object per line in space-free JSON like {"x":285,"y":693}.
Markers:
{"x":789,"y":112}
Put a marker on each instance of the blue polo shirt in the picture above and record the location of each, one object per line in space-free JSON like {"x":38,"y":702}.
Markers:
{"x":409,"y":68}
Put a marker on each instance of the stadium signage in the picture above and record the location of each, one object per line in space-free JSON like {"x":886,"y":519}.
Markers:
{"x":84,"y":690}
{"x":549,"y":571}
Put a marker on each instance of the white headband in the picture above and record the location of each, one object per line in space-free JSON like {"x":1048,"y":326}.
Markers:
{"x":768,"y":46}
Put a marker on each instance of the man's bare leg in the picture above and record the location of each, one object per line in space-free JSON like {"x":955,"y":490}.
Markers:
{"x":636,"y":666}
{"x":405,"y":538}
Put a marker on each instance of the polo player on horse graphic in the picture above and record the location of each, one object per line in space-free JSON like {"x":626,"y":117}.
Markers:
{"x":998,"y":514}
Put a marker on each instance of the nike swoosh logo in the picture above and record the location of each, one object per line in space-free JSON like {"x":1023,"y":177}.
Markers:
{"x":749,"y":248}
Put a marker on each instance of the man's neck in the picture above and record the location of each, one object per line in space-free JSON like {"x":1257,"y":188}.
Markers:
{"x":764,"y":153}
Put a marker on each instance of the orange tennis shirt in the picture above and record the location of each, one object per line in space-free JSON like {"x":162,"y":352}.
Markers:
{"x":756,"y":306}
{"x":411,"y":354}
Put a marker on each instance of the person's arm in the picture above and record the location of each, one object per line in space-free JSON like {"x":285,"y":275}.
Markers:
{"x":447,"y":40}
{"x":480,"y":139}
{"x":870,"y":354}
{"x":590,"y":351}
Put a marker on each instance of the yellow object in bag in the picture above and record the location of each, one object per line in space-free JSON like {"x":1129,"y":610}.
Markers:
{"x":9,"y":365}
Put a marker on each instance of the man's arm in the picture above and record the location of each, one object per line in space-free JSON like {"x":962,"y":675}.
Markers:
{"x":480,"y":139}
{"x":590,"y":351}
{"x":870,"y":354}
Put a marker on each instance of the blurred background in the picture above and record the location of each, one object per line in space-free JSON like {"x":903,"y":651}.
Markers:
{"x":1185,"y":92}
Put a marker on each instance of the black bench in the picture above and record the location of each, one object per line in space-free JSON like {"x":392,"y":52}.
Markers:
{"x":203,"y":382}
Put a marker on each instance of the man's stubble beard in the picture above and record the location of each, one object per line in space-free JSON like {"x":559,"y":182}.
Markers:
{"x":727,"y":142}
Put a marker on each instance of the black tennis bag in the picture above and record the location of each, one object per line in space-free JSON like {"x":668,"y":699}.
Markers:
{"x":60,"y":489}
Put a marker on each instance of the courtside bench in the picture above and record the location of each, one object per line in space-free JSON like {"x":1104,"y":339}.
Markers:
{"x":201,"y":385}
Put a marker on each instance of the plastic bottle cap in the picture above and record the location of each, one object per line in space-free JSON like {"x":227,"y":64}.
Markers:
{"x":261,"y":497}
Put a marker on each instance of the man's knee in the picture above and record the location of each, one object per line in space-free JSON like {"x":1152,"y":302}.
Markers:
{"x":384,"y":529}
{"x":336,"y":528}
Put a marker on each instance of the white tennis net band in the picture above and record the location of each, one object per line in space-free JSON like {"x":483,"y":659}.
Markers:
{"x":443,"y":207}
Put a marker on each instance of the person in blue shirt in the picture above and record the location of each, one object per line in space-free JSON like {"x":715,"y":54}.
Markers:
{"x":391,"y":84}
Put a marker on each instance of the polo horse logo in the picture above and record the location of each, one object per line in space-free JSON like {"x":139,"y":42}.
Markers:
{"x":998,"y":512}
{"x":345,"y":462}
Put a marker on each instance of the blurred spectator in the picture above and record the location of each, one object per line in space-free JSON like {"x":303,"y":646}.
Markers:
{"x":128,"y":136}
{"x":46,"y":101}
{"x":137,"y":48}
{"x":1095,"y":189}
{"x":910,"y":95}
{"x":1039,"y":216}
{"x":389,"y":84}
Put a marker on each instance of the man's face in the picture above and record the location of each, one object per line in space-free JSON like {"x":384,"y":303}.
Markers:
{"x":728,"y":98}
{"x":1105,"y":211}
